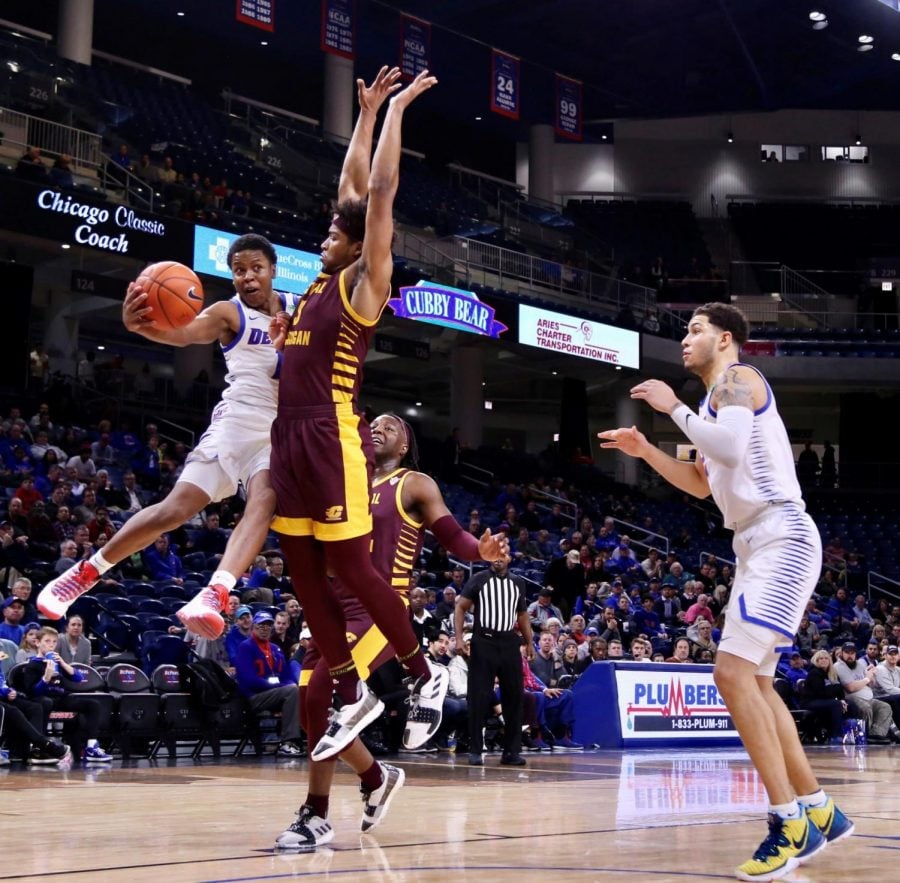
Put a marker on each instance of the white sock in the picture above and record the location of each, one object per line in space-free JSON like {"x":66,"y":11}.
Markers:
{"x":223,"y":578}
{"x":91,"y":743}
{"x":99,"y":562}
{"x":817,"y":798}
{"x":786,"y":810}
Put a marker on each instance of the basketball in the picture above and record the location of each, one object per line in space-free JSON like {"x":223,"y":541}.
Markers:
{"x":174,"y":293}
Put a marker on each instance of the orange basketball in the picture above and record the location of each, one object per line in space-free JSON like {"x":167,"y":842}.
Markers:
{"x":174,"y":293}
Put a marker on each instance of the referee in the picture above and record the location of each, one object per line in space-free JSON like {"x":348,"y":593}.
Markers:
{"x":497,"y":600}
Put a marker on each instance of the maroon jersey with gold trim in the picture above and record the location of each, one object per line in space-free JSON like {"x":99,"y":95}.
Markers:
{"x":396,"y":539}
{"x":325,"y":347}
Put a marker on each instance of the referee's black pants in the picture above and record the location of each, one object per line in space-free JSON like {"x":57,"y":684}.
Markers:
{"x":499,"y":657}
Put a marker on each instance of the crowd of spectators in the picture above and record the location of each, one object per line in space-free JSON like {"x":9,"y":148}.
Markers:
{"x":606,"y":584}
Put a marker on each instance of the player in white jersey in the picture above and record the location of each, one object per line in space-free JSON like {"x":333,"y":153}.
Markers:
{"x":234,"y":450}
{"x":745,"y":462}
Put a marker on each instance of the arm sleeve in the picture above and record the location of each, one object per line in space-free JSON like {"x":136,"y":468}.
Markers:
{"x":454,"y":539}
{"x":724,"y":441}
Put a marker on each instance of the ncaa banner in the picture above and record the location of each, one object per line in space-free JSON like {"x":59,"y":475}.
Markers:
{"x":338,"y":36}
{"x":415,"y":46}
{"x":568,"y":108}
{"x":258,"y":13}
{"x":504,"y":84}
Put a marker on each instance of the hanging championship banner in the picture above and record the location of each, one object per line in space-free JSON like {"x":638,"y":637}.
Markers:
{"x":258,"y":13}
{"x":504,"y":84}
{"x":338,"y":27}
{"x":415,"y":46}
{"x":568,"y":108}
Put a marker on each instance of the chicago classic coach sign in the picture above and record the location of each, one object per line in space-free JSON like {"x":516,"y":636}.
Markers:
{"x":99,"y":226}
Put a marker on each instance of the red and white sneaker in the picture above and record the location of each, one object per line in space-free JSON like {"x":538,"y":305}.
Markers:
{"x":59,"y":593}
{"x":202,"y":615}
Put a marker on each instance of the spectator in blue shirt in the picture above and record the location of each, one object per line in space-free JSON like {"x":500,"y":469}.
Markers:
{"x":161,"y":562}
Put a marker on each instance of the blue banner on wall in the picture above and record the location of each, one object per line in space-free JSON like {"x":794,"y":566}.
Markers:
{"x":450,"y":307}
{"x":338,"y":28}
{"x":505,"y":84}
{"x":568,"y":108}
{"x":415,"y":46}
{"x":294,"y":271}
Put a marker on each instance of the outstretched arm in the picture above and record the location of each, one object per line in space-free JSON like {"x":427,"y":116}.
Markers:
{"x":375,"y":265}
{"x":688,"y":477}
{"x":354,"y":183}
{"x":215,"y":322}
{"x":734,"y":396}
{"x":421,"y":494}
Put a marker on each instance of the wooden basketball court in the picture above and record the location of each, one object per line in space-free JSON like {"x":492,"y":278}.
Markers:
{"x":607,"y":815}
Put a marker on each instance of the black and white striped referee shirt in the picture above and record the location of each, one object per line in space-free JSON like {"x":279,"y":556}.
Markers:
{"x":497,"y":601}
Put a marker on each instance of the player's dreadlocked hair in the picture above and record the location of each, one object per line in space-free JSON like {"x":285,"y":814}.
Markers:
{"x":411,"y":457}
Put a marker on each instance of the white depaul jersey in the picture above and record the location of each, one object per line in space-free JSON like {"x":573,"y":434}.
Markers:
{"x":254,"y":366}
{"x":767,"y":474}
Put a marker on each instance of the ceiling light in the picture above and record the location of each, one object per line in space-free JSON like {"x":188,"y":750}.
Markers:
{"x":820,"y":25}
{"x":554,"y":373}
{"x":603,"y":137}
{"x":864,"y":47}
{"x":418,"y":404}
{"x":866,"y":38}
{"x":815,"y":15}
{"x":180,"y":14}
{"x":858,"y":140}
{"x":729,"y":137}
{"x":66,"y":246}
{"x":263,"y":42}
{"x":477,"y":119}
{"x":14,"y":66}
{"x":896,"y":56}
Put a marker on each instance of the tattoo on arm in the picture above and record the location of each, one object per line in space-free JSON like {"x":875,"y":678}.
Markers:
{"x":732,"y":390}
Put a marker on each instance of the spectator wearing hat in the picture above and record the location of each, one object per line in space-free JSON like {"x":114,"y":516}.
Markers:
{"x":11,"y":627}
{"x":887,"y":680}
{"x":542,"y":609}
{"x":857,"y":680}
{"x":796,"y":670}
{"x":668,"y":607}
{"x":264,"y":678}
{"x":28,"y":646}
{"x":239,"y":632}
{"x":565,"y":576}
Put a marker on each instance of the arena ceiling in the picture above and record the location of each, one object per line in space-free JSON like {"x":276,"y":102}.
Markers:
{"x":640,"y":58}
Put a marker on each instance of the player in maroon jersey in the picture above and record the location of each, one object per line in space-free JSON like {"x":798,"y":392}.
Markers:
{"x":404,"y":504}
{"x":321,"y":446}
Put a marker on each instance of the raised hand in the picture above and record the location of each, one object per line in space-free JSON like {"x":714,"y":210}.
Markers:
{"x":422,"y":83}
{"x":657,"y":394}
{"x":628,"y":440}
{"x":278,"y":328}
{"x":372,"y":97}
{"x":135,"y":312}
{"x":493,"y":548}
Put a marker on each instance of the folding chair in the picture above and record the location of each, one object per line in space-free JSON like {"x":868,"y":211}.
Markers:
{"x":137,"y":708}
{"x":181,"y":718}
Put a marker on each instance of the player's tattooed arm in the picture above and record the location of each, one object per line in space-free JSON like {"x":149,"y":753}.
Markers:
{"x":733,"y":388}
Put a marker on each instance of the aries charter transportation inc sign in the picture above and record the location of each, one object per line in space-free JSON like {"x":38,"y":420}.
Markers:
{"x":572,"y":336}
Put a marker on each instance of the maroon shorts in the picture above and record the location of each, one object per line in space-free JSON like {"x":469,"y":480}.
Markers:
{"x":321,"y":471}
{"x":368,"y":646}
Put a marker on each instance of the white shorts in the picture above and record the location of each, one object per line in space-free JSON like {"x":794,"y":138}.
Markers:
{"x":231,"y":451}
{"x":779,"y":559}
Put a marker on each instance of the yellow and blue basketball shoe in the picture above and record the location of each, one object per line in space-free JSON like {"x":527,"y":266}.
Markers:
{"x":830,"y":821}
{"x":789,"y":842}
